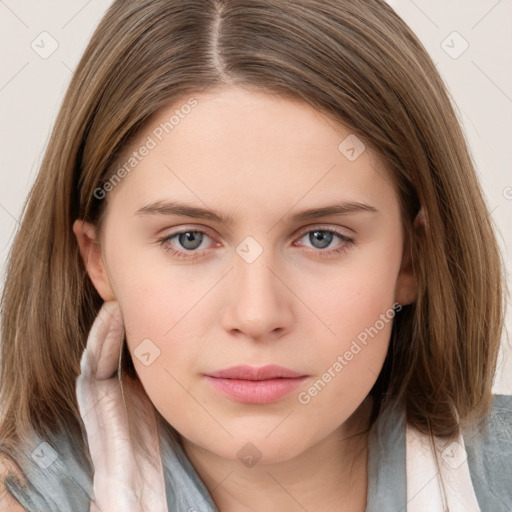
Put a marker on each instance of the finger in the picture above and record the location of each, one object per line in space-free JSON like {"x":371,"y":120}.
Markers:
{"x":100,"y":357}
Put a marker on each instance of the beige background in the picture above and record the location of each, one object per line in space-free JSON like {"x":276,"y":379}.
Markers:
{"x":475,"y":62}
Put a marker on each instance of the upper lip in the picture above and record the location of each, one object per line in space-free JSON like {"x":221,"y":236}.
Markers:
{"x":246,"y":372}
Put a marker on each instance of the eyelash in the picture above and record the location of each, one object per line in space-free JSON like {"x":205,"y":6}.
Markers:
{"x":164,"y":243}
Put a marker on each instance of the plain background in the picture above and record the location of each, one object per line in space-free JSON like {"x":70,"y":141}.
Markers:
{"x":470,"y":42}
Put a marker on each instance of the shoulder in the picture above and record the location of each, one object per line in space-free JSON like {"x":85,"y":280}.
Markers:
{"x":496,"y":433}
{"x":489,"y":454}
{"x":46,"y":475}
{"x":10,"y":474}
{"x":501,"y":416}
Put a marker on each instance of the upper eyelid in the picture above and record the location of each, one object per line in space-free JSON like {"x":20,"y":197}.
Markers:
{"x":309,"y":227}
{"x":302,"y":231}
{"x":320,"y":227}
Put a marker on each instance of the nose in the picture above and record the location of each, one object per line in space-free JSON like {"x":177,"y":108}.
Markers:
{"x":259,"y":304}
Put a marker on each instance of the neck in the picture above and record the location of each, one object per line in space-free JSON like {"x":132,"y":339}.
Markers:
{"x":331,"y":475}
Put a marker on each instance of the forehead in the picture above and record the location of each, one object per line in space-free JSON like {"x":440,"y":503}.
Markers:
{"x":246,"y":146}
{"x":254,"y":120}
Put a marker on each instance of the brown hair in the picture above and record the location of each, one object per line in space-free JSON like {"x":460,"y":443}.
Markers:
{"x":357,"y":62}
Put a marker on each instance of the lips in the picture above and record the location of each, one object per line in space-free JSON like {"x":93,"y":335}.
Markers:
{"x":245,"y":372}
{"x":251,"y":385}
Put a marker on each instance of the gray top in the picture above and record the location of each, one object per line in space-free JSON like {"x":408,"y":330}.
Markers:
{"x":56,"y":482}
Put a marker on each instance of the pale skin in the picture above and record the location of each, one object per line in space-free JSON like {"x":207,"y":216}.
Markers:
{"x":259,"y":159}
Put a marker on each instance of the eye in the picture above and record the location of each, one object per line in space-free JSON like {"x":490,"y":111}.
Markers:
{"x":190,"y":240}
{"x":321,"y":238}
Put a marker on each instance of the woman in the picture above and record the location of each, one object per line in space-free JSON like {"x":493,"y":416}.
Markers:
{"x":344,"y":302}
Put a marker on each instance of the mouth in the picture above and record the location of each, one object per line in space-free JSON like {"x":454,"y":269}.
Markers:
{"x":248,"y":384}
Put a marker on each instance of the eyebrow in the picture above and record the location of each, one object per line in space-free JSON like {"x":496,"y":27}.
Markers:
{"x":186,"y":210}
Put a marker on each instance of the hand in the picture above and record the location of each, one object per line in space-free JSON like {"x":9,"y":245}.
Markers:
{"x":128,"y":476}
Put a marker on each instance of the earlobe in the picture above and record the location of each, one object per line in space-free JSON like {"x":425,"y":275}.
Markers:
{"x":406,"y":291}
{"x":420,"y":221}
{"x":92,"y":258}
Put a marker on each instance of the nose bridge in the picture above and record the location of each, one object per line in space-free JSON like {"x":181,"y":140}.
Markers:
{"x":258,"y":285}
{"x":257,"y":304}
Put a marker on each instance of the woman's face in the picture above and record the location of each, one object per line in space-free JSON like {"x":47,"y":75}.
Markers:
{"x":262,"y":276}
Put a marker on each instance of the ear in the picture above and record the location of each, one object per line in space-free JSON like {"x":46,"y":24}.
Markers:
{"x":90,"y":251}
{"x":406,"y":291}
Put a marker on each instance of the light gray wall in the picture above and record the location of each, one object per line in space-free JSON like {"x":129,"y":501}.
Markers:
{"x":469,"y":40}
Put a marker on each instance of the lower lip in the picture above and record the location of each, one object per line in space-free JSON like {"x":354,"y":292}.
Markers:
{"x":255,"y":391}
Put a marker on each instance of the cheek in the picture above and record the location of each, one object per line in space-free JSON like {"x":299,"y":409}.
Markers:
{"x":155,"y":295}
{"x":349,"y":363}
{"x":357,"y":307}
{"x":352,"y":298}
{"x":166,"y":322}
{"x":163,"y":339}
